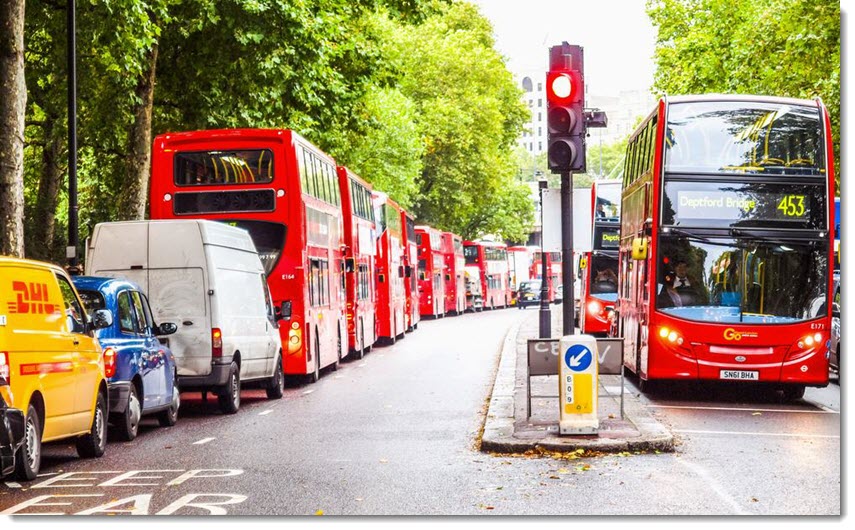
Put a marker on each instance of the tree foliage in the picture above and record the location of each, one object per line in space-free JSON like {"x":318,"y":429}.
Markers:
{"x":410,"y":94}
{"x":775,"y":47}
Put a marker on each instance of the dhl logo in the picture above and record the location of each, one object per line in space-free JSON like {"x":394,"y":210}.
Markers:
{"x":31,"y":299}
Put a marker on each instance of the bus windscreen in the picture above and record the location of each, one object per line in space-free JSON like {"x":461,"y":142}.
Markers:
{"x":745,"y":138}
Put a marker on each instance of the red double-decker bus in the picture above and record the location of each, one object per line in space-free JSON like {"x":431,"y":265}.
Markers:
{"x":284,"y":192}
{"x":519,"y":268}
{"x":431,"y":272}
{"x":360,"y":249}
{"x":411,"y":259}
{"x":491,"y":258}
{"x":599,"y":280}
{"x":553,"y":269}
{"x":455,"y":286}
{"x":391,"y":297}
{"x":726,"y":246}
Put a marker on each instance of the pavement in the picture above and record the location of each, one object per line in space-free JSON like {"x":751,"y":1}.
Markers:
{"x":508,"y":430}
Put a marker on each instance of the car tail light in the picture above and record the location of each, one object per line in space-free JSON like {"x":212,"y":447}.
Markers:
{"x":216,"y":343}
{"x":5,"y":371}
{"x":109,"y":362}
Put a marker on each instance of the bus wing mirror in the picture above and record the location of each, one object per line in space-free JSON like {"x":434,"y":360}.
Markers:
{"x":835,"y":310}
{"x":448,"y":277}
{"x":639,"y":248}
{"x":648,"y":226}
{"x":381,"y":278}
{"x":422,"y":276}
{"x":408,"y":271}
{"x":349,"y":265}
{"x":283,"y":311}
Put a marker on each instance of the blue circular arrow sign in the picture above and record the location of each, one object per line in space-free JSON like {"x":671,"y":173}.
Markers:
{"x":578,"y":358}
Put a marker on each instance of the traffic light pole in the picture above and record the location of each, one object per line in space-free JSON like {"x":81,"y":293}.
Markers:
{"x":568,"y":300}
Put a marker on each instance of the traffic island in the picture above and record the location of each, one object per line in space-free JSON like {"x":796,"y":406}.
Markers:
{"x":508,"y":428}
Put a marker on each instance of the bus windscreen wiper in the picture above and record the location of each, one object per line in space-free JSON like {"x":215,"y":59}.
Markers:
{"x":748,"y":234}
{"x":688,"y":235}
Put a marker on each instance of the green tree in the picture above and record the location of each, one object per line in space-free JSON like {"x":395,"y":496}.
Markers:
{"x":470,"y":114}
{"x":776,"y":47}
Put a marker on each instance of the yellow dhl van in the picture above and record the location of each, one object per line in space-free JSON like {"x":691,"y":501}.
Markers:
{"x":51,"y":360}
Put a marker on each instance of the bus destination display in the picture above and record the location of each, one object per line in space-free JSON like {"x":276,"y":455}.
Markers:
{"x":738,"y":206}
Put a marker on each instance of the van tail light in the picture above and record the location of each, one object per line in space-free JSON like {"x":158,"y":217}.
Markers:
{"x":216,"y":343}
{"x":109,"y":362}
{"x":5,"y":371}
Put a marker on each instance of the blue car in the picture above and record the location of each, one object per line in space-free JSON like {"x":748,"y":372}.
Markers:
{"x":142,"y":377}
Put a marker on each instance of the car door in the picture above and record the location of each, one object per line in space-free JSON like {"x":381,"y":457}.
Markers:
{"x":85,"y":361}
{"x":131,"y":347}
{"x":153,"y":380}
{"x":155,"y":349}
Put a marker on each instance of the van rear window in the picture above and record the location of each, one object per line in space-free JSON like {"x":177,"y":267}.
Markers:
{"x":92,"y":300}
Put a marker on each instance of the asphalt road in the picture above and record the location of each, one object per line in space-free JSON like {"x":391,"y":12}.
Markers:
{"x":396,"y":433}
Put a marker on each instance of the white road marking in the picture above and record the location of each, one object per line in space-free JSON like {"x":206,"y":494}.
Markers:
{"x":13,"y":485}
{"x":268,"y":411}
{"x":741,"y":409}
{"x":204,"y":441}
{"x":715,"y":486}
{"x":361,"y":365}
{"x":784,"y":434}
{"x":308,"y":392}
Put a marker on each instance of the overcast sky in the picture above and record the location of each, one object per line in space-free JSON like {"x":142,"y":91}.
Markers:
{"x":616,"y":34}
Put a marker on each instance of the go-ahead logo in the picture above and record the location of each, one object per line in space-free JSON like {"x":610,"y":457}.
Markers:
{"x":732,"y":334}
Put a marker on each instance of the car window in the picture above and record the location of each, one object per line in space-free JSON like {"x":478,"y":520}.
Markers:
{"x":143,"y":320}
{"x":147,"y":309}
{"x":92,"y":300}
{"x":74,"y":314}
{"x":267,"y":301}
{"x":126,"y":313}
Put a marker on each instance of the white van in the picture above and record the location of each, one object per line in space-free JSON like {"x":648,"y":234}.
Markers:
{"x":207,"y":278}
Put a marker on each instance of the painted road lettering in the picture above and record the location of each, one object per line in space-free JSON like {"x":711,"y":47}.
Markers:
{"x":137,"y":504}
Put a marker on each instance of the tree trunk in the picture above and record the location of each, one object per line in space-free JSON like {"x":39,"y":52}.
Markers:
{"x":44,"y":216}
{"x":135,"y":193}
{"x":13,"y":102}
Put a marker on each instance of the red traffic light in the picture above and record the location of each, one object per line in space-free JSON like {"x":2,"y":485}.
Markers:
{"x":562,"y":86}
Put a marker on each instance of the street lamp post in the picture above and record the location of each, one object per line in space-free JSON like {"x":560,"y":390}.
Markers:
{"x":71,"y":249}
{"x":545,"y":314}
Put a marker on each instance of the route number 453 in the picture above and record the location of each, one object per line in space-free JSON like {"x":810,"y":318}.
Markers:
{"x":792,"y":205}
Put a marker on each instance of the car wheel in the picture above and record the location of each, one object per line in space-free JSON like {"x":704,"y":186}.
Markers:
{"x":94,"y":442}
{"x":276,"y":386}
{"x":229,"y":400}
{"x":169,"y":417}
{"x":129,"y":421}
{"x":28,"y":459}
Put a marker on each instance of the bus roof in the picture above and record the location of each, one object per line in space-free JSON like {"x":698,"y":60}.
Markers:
{"x":739,"y":97}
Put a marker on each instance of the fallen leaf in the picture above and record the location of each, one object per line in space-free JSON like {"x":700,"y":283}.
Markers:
{"x":611,"y":416}
{"x":554,"y":477}
{"x":563,"y":470}
{"x":319,"y":512}
{"x":754,"y":499}
{"x":756,"y":413}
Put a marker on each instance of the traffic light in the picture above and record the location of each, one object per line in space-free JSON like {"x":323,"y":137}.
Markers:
{"x":565,"y":109}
